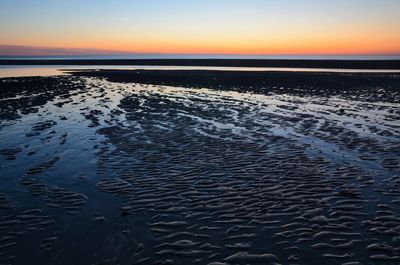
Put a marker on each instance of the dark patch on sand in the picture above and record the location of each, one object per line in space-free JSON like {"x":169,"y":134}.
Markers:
{"x":357,"y":86}
{"x":24,"y":95}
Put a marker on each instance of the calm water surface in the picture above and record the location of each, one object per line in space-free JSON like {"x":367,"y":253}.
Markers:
{"x":20,"y":71}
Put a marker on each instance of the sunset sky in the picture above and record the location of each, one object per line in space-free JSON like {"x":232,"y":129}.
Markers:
{"x":304,"y":27}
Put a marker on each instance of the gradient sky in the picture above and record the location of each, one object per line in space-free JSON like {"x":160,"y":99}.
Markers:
{"x":206,"y":26}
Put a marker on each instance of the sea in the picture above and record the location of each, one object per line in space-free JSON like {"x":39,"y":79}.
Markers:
{"x":50,"y":70}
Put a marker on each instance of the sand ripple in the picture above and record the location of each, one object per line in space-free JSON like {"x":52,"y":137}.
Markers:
{"x":95,"y":172}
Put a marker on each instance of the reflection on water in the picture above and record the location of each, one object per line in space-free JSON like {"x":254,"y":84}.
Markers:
{"x":36,"y":70}
{"x":96,"y":172}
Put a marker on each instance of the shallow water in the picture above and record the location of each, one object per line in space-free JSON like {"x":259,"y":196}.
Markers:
{"x":112,"y":173}
{"x":43,"y":70}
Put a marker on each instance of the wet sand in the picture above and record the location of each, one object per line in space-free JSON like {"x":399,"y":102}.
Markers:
{"x":363,"y":86}
{"x":199,"y":167}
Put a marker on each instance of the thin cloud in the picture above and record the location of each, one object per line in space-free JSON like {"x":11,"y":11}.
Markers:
{"x":20,"y":50}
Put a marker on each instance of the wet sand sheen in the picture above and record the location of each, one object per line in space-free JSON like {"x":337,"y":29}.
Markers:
{"x":97,"y":171}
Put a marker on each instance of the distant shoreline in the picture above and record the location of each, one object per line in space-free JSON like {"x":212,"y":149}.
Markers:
{"x":282,"y":63}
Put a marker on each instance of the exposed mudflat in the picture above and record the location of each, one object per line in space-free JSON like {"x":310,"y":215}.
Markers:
{"x":95,"y":171}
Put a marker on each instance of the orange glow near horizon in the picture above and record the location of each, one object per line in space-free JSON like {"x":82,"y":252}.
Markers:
{"x":310,"y":46}
{"x":303,"y":45}
{"x":299,"y":43}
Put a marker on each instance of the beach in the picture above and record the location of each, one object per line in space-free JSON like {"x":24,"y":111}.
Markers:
{"x":201,"y":167}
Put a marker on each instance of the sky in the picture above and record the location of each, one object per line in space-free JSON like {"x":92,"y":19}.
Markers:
{"x":301,"y":27}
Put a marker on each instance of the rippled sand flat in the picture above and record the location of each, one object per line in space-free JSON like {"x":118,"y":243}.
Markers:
{"x":94,"y":171}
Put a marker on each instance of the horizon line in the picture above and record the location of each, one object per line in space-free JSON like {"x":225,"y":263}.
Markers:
{"x":10,"y":50}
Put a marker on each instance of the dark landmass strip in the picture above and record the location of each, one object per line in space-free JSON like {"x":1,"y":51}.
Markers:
{"x":362,"y":86}
{"x":341,"y":64}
